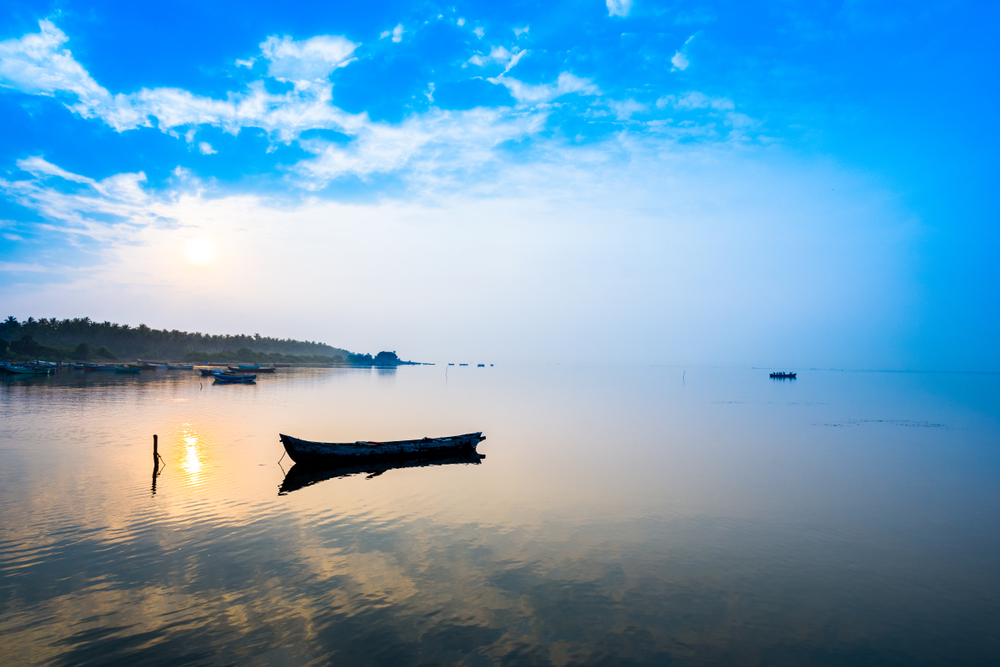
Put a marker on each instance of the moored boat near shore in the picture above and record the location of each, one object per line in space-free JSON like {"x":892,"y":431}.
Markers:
{"x":16,"y":369}
{"x":306,"y":451}
{"x":233,"y":378}
{"x":96,"y":368}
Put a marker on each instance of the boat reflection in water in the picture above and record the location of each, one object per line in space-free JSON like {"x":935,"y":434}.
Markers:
{"x":301,"y":475}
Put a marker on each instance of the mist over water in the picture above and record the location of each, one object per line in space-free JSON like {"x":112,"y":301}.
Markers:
{"x":623,"y":515}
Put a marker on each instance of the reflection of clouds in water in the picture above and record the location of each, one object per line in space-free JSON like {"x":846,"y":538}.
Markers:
{"x":410,"y":591}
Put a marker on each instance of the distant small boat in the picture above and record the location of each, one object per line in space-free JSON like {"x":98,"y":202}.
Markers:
{"x":94,"y":368}
{"x":246,"y":367}
{"x":783,"y":374}
{"x":232,"y":378}
{"x":463,"y":364}
{"x":14,"y":369}
{"x":305,"y":451}
{"x":481,"y":365}
{"x":208,"y":371}
{"x":127,"y":369}
{"x":179,"y":367}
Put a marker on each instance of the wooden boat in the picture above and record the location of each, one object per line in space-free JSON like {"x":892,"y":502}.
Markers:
{"x":233,"y":378}
{"x":783,"y":374}
{"x":179,"y":367}
{"x":304,"y":474}
{"x":94,"y":368}
{"x":208,"y":371}
{"x":305,"y":451}
{"x":127,"y":369}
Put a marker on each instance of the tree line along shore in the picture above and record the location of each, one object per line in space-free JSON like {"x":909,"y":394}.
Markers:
{"x":83,"y":339}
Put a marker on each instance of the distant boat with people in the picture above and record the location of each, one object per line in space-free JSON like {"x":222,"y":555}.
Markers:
{"x":783,"y":375}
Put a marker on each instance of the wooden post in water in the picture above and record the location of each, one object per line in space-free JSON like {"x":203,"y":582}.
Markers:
{"x":156,"y":463}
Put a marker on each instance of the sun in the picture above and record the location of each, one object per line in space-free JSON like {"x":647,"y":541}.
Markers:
{"x":200,"y":251}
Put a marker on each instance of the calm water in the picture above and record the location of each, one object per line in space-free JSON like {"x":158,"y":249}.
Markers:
{"x":644,"y":516}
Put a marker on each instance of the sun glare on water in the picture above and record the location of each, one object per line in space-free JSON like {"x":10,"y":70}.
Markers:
{"x":200,"y":251}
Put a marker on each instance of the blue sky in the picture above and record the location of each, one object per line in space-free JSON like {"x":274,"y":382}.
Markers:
{"x":790,"y":183}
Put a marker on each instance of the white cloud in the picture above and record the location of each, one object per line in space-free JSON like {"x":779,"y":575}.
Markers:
{"x":206,"y":148}
{"x":36,"y":64}
{"x":501,"y":55}
{"x":397,"y":34}
{"x":521,"y":31}
{"x":430,"y":92}
{"x":624,"y":109}
{"x":533,"y":94}
{"x":431,"y":146}
{"x":695,"y":100}
{"x":479,"y":32}
{"x":40,"y":167}
{"x":680,"y":61}
{"x":248,"y":63}
{"x":419,"y":144}
{"x":313,"y":59}
{"x":619,"y":7}
{"x":102,"y":212}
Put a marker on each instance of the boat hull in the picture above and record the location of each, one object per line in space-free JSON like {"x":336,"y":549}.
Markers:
{"x":306,"y":451}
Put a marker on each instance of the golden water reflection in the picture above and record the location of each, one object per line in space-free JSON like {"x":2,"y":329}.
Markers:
{"x":193,"y":456}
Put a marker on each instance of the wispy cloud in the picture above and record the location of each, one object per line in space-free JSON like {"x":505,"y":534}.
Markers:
{"x":396,"y":33}
{"x":695,"y":100}
{"x":313,"y":59}
{"x":101,"y":211}
{"x":680,"y":60}
{"x":38,"y":64}
{"x":567,"y":83}
{"x":619,"y":7}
